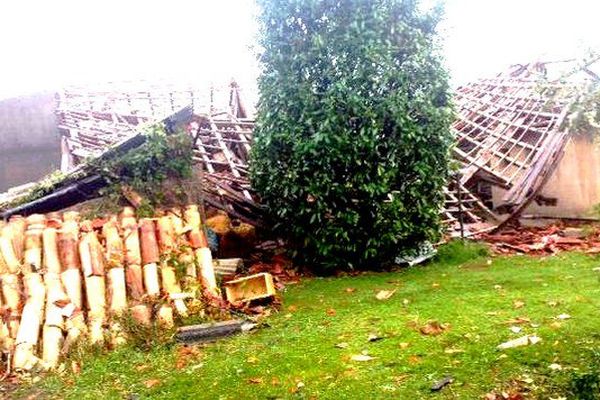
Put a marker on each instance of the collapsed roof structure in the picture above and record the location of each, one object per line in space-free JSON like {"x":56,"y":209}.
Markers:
{"x":514,"y":145}
{"x":515,"y":152}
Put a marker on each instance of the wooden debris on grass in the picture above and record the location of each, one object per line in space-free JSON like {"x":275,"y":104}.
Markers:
{"x":212,"y":331}
{"x":249,"y":288}
{"x":521,"y":341}
{"x":539,"y":241}
{"x":51,"y":307}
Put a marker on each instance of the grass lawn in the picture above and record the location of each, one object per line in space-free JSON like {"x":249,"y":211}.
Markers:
{"x":297,"y":357}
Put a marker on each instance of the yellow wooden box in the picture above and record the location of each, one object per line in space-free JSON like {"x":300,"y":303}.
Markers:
{"x":253,"y":287}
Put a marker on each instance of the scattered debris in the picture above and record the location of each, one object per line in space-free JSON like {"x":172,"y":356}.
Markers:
{"x":433,"y":328}
{"x":439,"y":385}
{"x":212,"y":331}
{"x":539,"y":241}
{"x":555,"y":367}
{"x":227,"y":266}
{"x":342,"y":345}
{"x":361,"y":357}
{"x":563,"y":316}
{"x":249,"y":288}
{"x":515,"y":329}
{"x":385,"y":294}
{"x":522,"y":341}
{"x":374,"y":338}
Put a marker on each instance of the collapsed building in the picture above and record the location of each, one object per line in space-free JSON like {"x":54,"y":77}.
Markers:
{"x":516,"y":154}
{"x":515,"y":147}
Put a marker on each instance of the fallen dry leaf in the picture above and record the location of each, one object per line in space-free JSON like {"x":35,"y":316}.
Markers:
{"x":555,"y":325}
{"x":435,"y":285}
{"x":292,"y":308}
{"x":414,"y":359}
{"x":518,"y":320}
{"x":555,"y":367}
{"x":522,"y":341}
{"x":385,"y":294}
{"x":331,"y":312}
{"x":350,"y":290}
{"x":255,"y":381}
{"x":342,"y":345}
{"x":361,"y":357}
{"x":552,"y":303}
{"x":433,"y":328}
{"x":518,"y":304}
{"x":374,"y":338}
{"x":453,"y":351}
{"x":251,"y":360}
{"x":403,"y":345}
{"x":515,"y":329}
{"x":75,"y":367}
{"x":151,"y":383}
{"x":563,"y":316}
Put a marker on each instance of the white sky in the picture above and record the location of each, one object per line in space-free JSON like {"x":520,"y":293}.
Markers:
{"x":45,"y":44}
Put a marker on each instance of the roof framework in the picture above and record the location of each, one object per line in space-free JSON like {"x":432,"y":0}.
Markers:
{"x":510,"y":132}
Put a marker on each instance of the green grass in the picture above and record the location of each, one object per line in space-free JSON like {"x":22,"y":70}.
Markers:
{"x":296,"y":356}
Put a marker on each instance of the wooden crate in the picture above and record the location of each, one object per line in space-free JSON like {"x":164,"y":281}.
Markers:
{"x":253,"y":287}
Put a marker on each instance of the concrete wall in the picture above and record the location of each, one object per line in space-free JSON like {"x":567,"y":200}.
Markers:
{"x":575,"y":183}
{"x":29,"y":139}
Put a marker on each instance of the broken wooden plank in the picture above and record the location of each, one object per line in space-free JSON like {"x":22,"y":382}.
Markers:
{"x":212,"y":331}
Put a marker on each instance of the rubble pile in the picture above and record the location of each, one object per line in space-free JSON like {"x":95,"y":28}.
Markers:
{"x":64,"y":279}
{"x":542,"y":241}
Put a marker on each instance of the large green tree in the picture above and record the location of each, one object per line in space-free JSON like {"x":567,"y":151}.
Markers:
{"x":352,"y":142}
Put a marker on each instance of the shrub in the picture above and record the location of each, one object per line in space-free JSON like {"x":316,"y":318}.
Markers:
{"x":352,"y":139}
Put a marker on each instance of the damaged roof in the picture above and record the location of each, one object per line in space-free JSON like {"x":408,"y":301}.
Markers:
{"x":510,"y":130}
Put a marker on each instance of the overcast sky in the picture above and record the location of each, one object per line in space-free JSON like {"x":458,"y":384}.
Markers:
{"x":47,"y":44}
